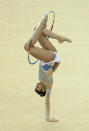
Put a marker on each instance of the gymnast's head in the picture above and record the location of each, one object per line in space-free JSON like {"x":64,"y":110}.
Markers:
{"x":40,"y":89}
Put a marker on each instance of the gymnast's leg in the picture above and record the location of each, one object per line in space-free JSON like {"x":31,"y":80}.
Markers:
{"x":46,"y":44}
{"x":48,"y":33}
{"x":42,"y":54}
{"x":36,"y":33}
{"x":39,"y":53}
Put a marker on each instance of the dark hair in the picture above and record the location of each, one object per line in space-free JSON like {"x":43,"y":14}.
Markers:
{"x":41,"y":93}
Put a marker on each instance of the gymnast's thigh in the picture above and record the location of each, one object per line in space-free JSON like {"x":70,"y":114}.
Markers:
{"x":42,"y":54}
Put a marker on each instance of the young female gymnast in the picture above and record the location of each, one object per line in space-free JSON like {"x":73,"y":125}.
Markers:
{"x":49,"y":61}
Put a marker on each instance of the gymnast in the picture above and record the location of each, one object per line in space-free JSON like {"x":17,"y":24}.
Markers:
{"x":49,"y":60}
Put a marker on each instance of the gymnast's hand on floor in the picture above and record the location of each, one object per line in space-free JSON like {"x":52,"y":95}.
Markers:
{"x":51,"y":120}
{"x":62,"y":39}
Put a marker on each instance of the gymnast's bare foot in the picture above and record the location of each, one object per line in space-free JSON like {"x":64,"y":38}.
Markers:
{"x":62,"y":39}
{"x":51,"y":120}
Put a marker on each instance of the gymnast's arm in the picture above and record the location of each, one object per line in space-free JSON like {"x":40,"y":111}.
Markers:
{"x":48,"y":33}
{"x":47,"y":105}
{"x":55,"y":66}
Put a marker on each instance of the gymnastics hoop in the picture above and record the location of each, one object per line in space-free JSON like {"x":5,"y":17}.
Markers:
{"x":48,"y":37}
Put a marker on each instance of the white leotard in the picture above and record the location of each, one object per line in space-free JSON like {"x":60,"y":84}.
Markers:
{"x":56,"y":59}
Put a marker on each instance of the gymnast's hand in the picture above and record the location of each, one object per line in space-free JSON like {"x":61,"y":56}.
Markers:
{"x":62,"y":39}
{"x":52,"y":120}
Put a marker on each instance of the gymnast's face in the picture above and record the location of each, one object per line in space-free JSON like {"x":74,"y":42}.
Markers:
{"x":40,"y":89}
